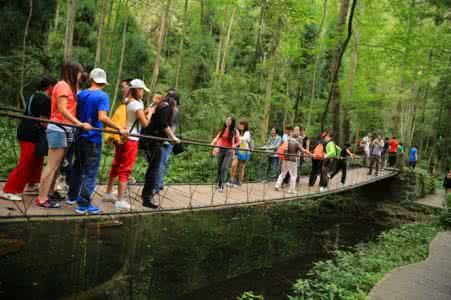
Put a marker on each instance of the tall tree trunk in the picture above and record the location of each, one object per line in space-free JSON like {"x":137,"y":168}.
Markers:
{"x":299,"y":96}
{"x":100,"y":36}
{"x":70,"y":23}
{"x":336,"y":98}
{"x":121,"y":61}
{"x":113,"y":32}
{"x":446,"y":142}
{"x":226,"y":44}
{"x":221,"y":37}
{"x":346,"y":128}
{"x":423,"y":109}
{"x":202,"y":15}
{"x":258,"y":47}
{"x":25,"y":36}
{"x":57,"y":16}
{"x":333,"y":92}
{"x":269,"y":81}
{"x":182,"y":40}
{"x":315,"y":66}
{"x":156,"y":66}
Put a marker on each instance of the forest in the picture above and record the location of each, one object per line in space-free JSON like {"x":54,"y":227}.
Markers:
{"x":350,"y":66}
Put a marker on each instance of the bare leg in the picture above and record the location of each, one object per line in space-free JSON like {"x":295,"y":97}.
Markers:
{"x":233,"y":169}
{"x":109,"y":188}
{"x":55,"y":158}
{"x":242,"y":166}
{"x":122,"y":186}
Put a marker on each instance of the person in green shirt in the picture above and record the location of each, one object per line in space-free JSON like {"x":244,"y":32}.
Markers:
{"x":331,"y":153}
{"x":400,"y":154}
{"x":401,"y":148}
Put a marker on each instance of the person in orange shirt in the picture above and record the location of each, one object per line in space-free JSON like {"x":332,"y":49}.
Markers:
{"x":63,"y":109}
{"x":392,"y":151}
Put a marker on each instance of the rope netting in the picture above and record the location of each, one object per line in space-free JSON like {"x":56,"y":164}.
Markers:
{"x":191,"y":179}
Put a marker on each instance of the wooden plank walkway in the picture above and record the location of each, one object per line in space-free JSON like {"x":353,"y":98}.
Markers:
{"x":187,"y":197}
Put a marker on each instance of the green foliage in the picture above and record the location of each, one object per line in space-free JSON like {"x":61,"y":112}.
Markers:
{"x":445,"y":217}
{"x":425,"y":182}
{"x":250,"y":296}
{"x":352,"y":274}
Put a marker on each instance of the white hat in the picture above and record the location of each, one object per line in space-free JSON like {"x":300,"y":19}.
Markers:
{"x":98,"y":76}
{"x":138,"y":84}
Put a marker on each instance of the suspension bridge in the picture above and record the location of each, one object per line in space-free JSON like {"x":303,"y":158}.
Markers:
{"x":180,"y":196}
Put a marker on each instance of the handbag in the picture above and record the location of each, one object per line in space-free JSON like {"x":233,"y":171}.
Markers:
{"x":42,"y":146}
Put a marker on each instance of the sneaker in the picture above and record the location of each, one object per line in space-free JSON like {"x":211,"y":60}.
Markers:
{"x":10,"y":196}
{"x":61,"y":185}
{"x":123,"y":204}
{"x":93,"y":209}
{"x":47,"y":204}
{"x":71,"y":202}
{"x":292,"y":191}
{"x":32,"y":189}
{"x":56,"y":196}
{"x":85,"y":210}
{"x":147,"y":202}
{"x":81,"y":210}
{"x":131,"y":180}
{"x":230,"y":183}
{"x":237,"y":183}
{"x":220,"y":189}
{"x":109,"y":197}
{"x":321,"y":189}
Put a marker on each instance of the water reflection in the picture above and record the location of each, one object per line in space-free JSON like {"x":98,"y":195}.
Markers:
{"x":175,"y":255}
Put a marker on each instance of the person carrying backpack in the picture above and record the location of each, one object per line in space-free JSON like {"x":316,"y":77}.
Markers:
{"x":290,"y":163}
{"x":330,"y":155}
{"x":130,"y":113}
{"x":30,"y":135}
{"x":317,"y":158}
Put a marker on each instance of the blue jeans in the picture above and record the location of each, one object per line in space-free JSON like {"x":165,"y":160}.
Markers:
{"x":165,"y":150}
{"x":66,"y":169}
{"x":84,"y":172}
{"x":224,"y":160}
{"x":273,"y":168}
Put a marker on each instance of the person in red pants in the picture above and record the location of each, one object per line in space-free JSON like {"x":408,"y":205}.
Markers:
{"x":29,"y":168}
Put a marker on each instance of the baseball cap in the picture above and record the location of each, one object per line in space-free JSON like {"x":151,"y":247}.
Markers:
{"x":138,"y":84}
{"x":98,"y":76}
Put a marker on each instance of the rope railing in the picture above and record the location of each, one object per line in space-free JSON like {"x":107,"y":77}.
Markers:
{"x":191,"y":181}
{"x":141,"y":136}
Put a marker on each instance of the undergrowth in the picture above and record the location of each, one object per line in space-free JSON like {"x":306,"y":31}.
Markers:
{"x":352,"y":274}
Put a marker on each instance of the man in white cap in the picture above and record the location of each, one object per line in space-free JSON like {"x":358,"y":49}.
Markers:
{"x":92,"y":107}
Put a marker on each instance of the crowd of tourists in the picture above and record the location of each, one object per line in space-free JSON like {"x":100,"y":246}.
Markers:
{"x":63,"y":102}
{"x":73,"y":143}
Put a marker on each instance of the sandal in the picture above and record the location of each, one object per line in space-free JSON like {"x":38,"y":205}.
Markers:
{"x":46,"y":204}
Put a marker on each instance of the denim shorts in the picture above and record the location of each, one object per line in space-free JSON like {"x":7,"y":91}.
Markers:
{"x":57,"y":139}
